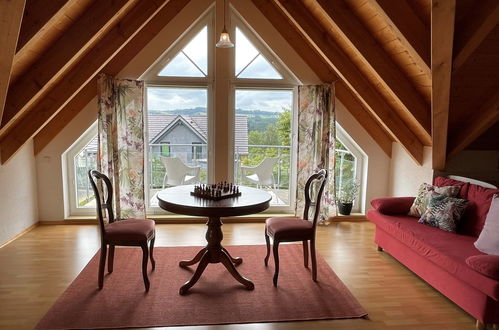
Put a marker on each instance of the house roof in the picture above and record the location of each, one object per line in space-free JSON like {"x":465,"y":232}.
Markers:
{"x":379,"y":52}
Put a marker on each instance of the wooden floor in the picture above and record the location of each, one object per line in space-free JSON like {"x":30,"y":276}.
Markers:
{"x":36,"y":268}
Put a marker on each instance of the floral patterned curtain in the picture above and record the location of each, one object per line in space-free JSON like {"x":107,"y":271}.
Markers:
{"x":316,"y":144}
{"x":121,"y":143}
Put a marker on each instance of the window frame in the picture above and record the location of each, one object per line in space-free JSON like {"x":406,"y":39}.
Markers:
{"x":69,"y":188}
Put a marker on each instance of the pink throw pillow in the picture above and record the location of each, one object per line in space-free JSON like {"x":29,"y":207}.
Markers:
{"x":486,"y":265}
{"x":488,"y":241}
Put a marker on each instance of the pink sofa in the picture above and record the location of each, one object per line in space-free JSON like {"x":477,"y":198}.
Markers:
{"x":437,"y":256}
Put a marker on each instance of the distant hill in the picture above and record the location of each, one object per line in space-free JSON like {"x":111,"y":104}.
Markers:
{"x":258,"y":120}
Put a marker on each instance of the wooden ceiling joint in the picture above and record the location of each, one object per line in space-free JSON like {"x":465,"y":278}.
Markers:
{"x":364,"y":117}
{"x":113,"y":68}
{"x":409,"y":29}
{"x":11,"y":14}
{"x":352,"y":77}
{"x":88,"y":67}
{"x":411,"y":104}
{"x":442,"y":32}
{"x":481,"y":121}
{"x":51,"y":67}
{"x":474,"y":29}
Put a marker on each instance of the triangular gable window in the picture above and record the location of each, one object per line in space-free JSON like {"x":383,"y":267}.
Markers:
{"x":192,"y":60}
{"x":250,"y":63}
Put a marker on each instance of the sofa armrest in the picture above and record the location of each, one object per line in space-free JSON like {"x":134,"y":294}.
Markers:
{"x":393,"y":205}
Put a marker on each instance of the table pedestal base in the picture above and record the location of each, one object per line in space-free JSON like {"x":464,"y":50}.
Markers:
{"x":213,"y":253}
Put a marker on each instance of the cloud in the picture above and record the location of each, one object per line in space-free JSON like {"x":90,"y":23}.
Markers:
{"x":176,"y":98}
{"x":264,"y":100}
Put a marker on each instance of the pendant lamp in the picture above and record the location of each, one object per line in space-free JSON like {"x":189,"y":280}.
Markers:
{"x":224,"y":41}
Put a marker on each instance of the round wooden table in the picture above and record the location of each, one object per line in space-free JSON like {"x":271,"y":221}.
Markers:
{"x":179,"y":200}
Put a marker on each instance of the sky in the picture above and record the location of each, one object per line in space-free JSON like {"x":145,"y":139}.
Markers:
{"x":168,"y":99}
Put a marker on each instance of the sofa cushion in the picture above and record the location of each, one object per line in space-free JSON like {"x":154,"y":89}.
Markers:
{"x":443,"y":212}
{"x":424,"y":194}
{"x":447,"y":250}
{"x":488,"y":241}
{"x":440,"y":181}
{"x":478,"y":207}
{"x":486,"y":265}
{"x":392,"y":205}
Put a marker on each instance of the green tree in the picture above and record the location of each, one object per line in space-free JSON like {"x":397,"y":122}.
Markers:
{"x":284,"y":127}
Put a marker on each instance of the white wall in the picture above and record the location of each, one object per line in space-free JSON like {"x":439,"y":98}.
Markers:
{"x":378,"y":163}
{"x":18,"y":199}
{"x":405,"y":175}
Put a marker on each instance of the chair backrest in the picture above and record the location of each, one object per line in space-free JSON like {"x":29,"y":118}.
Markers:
{"x":264,"y":171}
{"x":313,"y":194}
{"x":176,"y":170}
{"x":104,"y":202}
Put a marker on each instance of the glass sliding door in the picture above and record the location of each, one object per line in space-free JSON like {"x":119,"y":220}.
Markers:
{"x":263,"y":123}
{"x":177,"y":133}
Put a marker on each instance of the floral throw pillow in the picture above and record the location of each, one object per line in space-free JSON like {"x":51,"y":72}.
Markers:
{"x":444,"y":212}
{"x":423,"y":197}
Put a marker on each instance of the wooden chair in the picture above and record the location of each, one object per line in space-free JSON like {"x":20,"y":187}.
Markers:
{"x":129,"y":232}
{"x":293,"y":229}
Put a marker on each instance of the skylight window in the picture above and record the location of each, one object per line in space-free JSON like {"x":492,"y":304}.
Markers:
{"x":250,"y":63}
{"x":192,"y":60}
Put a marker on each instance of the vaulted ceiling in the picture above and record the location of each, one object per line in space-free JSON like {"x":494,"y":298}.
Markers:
{"x":419,"y":72}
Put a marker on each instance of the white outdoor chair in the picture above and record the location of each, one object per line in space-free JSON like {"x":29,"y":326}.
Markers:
{"x":262,"y":173}
{"x":177,"y":173}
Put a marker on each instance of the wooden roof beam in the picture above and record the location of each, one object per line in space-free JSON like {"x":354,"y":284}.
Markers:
{"x":353,"y":78}
{"x":296,"y":40}
{"x":408,"y":28}
{"x":486,"y":117}
{"x":11,"y":14}
{"x":88,"y":67}
{"x":442,"y":32}
{"x":28,"y":89}
{"x":474,"y":29}
{"x":364,"y":117}
{"x":415,"y":109}
{"x":37,"y":15}
{"x":113,"y":68}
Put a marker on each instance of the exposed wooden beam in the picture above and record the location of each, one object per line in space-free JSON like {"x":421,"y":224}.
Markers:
{"x":474,"y":29}
{"x":353,"y":78}
{"x":442,"y":33}
{"x":364,"y":117}
{"x":38,"y":14}
{"x":481,"y":121}
{"x":296,"y":40}
{"x":408,"y":28}
{"x":11,"y":14}
{"x":63,"y":117}
{"x":28,"y":89}
{"x":127,"y":53}
{"x":88,"y":67}
{"x":414,"y":108}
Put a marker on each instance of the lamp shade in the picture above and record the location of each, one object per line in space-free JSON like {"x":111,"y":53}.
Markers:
{"x":224,"y":41}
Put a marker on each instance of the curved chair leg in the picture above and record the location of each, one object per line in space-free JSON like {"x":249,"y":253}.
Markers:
{"x":153,"y":262}
{"x":314,"y":259}
{"x":110,"y":260}
{"x":276,"y":260}
{"x":145,"y":257}
{"x":267,"y":240}
{"x":102,"y":265}
{"x":305,"y":253}
{"x":164,"y":180}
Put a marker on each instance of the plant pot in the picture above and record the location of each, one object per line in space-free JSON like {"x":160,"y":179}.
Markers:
{"x":345,"y":208}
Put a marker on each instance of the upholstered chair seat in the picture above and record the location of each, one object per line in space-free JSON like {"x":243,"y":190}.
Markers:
{"x":288,"y":228}
{"x":130,"y":229}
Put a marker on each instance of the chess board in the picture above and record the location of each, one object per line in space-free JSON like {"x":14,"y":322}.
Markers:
{"x":217,"y":191}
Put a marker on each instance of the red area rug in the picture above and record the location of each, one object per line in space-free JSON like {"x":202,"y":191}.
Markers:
{"x":217,"y":298}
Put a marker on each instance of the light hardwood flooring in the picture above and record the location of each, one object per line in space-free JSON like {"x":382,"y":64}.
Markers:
{"x":36,"y":268}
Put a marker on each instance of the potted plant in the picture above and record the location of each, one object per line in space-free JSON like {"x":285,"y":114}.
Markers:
{"x":346,"y":194}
